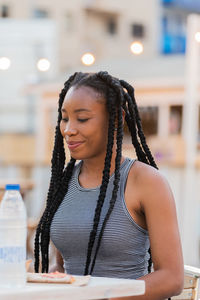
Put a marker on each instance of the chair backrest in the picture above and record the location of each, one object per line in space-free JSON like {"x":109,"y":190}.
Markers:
{"x":191,"y":284}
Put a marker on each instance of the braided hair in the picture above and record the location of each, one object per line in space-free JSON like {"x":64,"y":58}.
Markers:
{"x":119,"y":96}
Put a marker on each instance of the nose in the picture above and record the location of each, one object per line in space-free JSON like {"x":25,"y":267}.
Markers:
{"x":70,"y":129}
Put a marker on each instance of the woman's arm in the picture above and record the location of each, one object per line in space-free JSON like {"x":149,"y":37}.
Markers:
{"x":59,"y":263}
{"x":157,"y":203}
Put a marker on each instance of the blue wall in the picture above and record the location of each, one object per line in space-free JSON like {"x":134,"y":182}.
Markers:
{"x":191,"y":5}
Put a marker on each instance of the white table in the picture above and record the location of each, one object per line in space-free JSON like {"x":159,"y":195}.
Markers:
{"x":98,"y":288}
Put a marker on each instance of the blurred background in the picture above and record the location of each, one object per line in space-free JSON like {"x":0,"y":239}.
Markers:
{"x":154,"y":46}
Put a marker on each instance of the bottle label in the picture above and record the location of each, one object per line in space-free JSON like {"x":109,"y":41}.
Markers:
{"x":12,"y":254}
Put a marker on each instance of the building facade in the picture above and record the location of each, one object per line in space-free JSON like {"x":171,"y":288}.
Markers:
{"x":105,"y":28}
{"x":62,"y":33}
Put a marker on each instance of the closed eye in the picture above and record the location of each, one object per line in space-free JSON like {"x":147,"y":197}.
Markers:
{"x":83,"y":120}
{"x":80,"y":120}
{"x":65,"y":119}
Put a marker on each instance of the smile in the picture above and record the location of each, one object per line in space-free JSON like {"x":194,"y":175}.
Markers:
{"x":74,"y":145}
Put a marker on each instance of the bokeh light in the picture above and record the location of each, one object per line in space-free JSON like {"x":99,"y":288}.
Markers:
{"x":4,"y":63}
{"x":136,"y":48}
{"x":43,"y":64}
{"x":197,"y":36}
{"x":88,"y":59}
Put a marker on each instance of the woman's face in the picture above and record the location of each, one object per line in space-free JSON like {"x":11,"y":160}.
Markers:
{"x":84,"y":123}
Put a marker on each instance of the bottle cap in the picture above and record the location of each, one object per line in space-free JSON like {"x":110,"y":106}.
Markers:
{"x":15,"y":187}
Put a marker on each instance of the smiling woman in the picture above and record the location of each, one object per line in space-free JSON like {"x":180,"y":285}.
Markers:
{"x":83,"y":121}
{"x":107,"y":214}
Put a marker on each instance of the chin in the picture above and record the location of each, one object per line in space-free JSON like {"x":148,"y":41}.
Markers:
{"x":74,"y":156}
{"x":77,"y":156}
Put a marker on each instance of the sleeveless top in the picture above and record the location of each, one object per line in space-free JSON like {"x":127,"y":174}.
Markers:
{"x":123,"y":251}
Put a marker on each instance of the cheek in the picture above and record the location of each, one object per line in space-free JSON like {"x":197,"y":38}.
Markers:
{"x":101,"y":134}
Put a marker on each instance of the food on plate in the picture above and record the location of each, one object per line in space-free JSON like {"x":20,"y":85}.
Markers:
{"x":54,"y":277}
{"x":57,"y":277}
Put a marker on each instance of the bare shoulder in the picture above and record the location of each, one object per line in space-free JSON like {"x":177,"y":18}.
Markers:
{"x":149,"y":183}
{"x":141,"y":172}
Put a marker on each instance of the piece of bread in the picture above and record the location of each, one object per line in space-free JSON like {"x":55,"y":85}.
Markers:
{"x":55,"y":277}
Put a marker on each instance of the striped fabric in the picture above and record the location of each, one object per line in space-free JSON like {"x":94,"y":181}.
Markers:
{"x":124,"y":248}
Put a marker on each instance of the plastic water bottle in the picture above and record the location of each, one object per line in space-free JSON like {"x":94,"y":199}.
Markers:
{"x":13,"y":232}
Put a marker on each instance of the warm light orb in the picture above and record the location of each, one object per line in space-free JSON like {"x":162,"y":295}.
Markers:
{"x":88,"y":59}
{"x":4,"y":63}
{"x":136,"y":48}
{"x":197,"y":36}
{"x":43,"y":64}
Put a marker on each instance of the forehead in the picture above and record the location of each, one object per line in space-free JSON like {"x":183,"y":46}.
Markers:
{"x":83,"y":97}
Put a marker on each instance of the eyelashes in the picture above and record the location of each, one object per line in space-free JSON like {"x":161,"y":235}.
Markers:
{"x":79,"y":120}
{"x":64,"y":120}
{"x":83,"y":120}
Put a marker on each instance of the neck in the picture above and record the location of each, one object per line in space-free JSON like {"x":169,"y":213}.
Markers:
{"x":92,"y":170}
{"x":95,"y":167}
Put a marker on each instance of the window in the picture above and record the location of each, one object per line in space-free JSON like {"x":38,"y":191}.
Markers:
{"x":111,"y":26}
{"x":149,"y":118}
{"x":137,"y":30}
{"x":4,"y":11}
{"x":175,"y":119}
{"x":173,"y":38}
{"x":40,"y":13}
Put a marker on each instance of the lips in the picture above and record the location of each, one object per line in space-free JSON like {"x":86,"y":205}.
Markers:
{"x":74,"y":144}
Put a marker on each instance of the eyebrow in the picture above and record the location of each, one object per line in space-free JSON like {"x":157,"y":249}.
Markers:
{"x":78,"y":110}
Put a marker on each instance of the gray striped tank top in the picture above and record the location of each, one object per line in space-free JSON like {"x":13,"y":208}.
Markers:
{"x":123,"y":252}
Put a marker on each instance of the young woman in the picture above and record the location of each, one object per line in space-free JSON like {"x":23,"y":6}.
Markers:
{"x":108,"y":215}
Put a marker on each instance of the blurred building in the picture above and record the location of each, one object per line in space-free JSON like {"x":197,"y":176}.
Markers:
{"x":62,"y":34}
{"x":173,"y":24}
{"x":23,"y":47}
{"x":105,"y":28}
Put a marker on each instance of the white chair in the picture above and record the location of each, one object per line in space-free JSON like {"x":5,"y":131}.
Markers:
{"x":191,"y":284}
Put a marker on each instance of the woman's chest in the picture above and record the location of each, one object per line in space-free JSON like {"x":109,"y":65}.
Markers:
{"x":74,"y":221}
